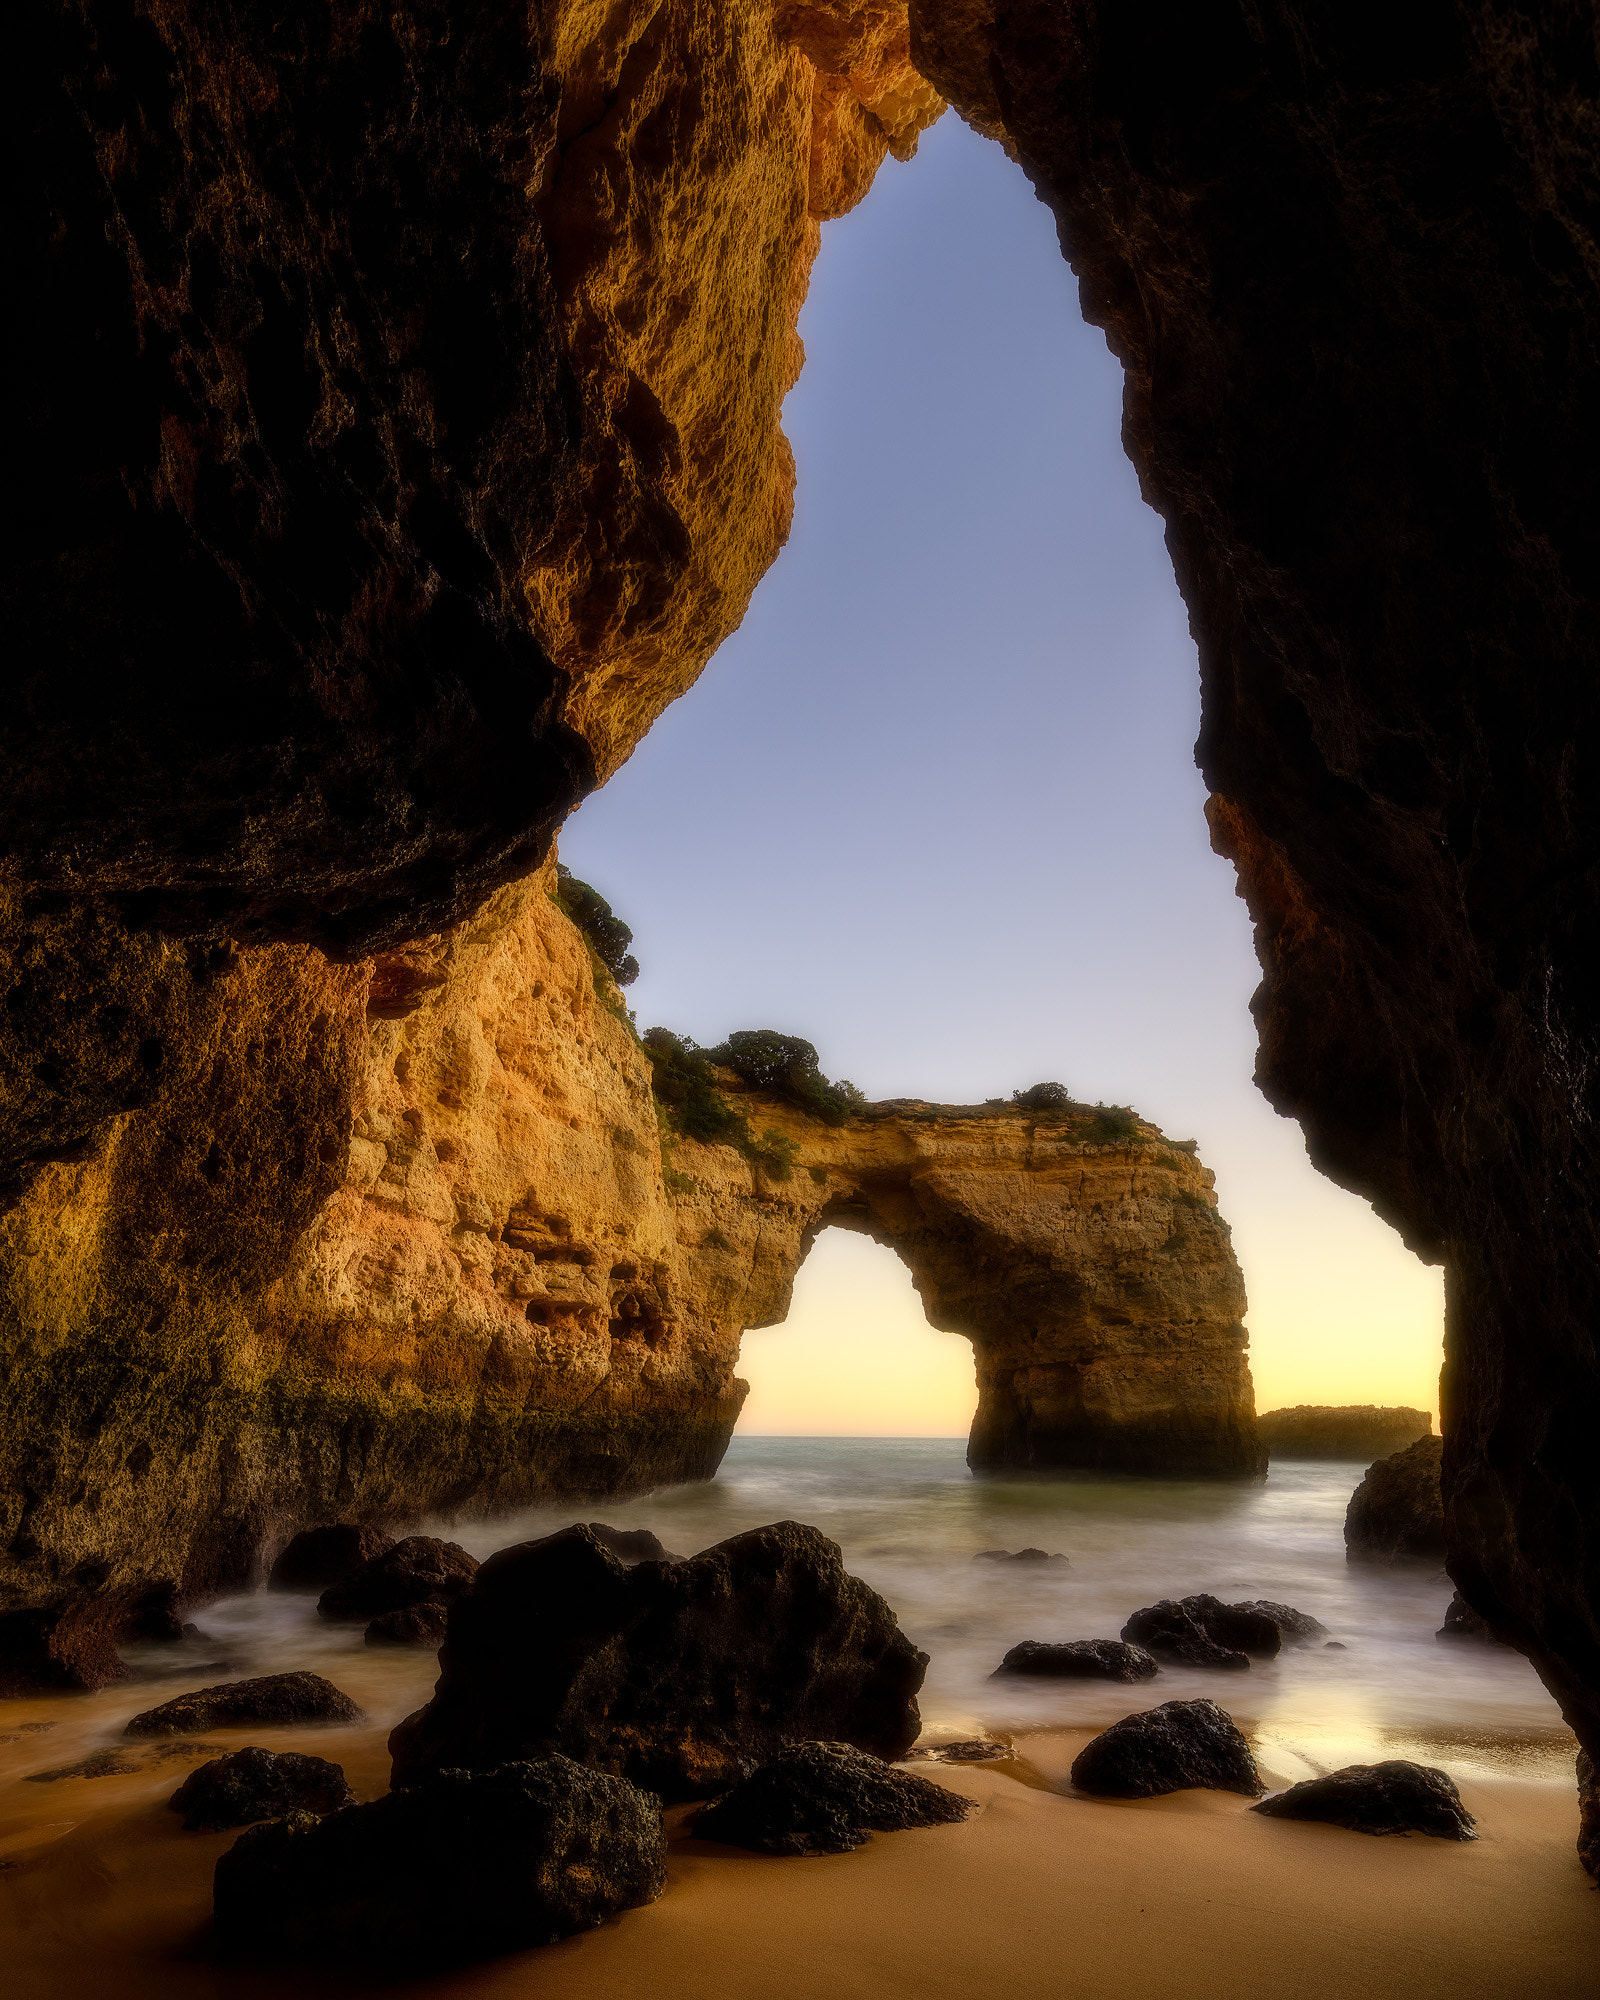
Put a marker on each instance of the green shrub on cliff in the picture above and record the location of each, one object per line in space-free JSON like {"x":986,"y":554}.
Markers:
{"x":608,"y":935}
{"x":692,"y":1106}
{"x":1113,"y":1123}
{"x":1041,"y":1097}
{"x":785,"y":1066}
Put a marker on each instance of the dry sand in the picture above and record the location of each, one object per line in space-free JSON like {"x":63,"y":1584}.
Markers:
{"x":1039,"y":1896}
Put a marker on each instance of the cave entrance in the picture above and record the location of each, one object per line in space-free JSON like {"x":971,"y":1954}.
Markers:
{"x":856,"y":1356}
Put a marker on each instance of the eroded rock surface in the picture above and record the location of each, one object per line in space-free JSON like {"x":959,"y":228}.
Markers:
{"x":471,"y":1864}
{"x":254,"y":1784}
{"x":1180,"y":1746}
{"x":679,"y":1676}
{"x":1079,"y":1659}
{"x":1396,"y":1514}
{"x":824,"y":1798}
{"x":1396,"y":1796}
{"x":1392,"y":568}
{"x":278,"y":1698}
{"x":1354,"y":1430}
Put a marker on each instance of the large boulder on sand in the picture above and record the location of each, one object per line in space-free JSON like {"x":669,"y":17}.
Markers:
{"x":469,"y":1864}
{"x":680,"y":1676}
{"x":280,"y":1698}
{"x":1397,"y":1512}
{"x":824,"y":1798}
{"x":320,"y":1556}
{"x":419,"y":1570}
{"x":1396,"y":1796}
{"x":254,"y":1784}
{"x":1180,"y":1746}
{"x":1363,"y":1431}
{"x":1078,"y":1659}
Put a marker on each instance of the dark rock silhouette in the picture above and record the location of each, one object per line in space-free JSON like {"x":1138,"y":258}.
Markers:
{"x":254,"y":1784}
{"x":280,"y":1698}
{"x":318,"y":1557}
{"x":1589,"y":1814}
{"x":679,"y":1676}
{"x":470,"y":1864}
{"x":419,"y":1570}
{"x":633,"y":1545}
{"x":1295,"y":1628}
{"x":1178,"y":1747}
{"x":1016,"y":1556}
{"x":1363,"y":1431}
{"x":1237,"y":189}
{"x":1078,"y":1659}
{"x":1396,"y":1514}
{"x":416,"y":1625}
{"x":1462,"y":1622}
{"x":1396,"y":1796}
{"x":824,"y":1798}
{"x":1202,"y":1631}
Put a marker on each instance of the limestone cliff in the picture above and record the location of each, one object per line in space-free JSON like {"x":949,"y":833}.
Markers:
{"x":402,"y":1239}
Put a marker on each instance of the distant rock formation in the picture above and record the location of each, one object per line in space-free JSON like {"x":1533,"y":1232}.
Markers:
{"x":1397,"y":1512}
{"x":1363,"y":1431}
{"x":409,"y":1237}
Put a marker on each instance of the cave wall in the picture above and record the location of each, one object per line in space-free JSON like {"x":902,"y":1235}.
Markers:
{"x":1350,"y":259}
{"x":403,"y":1238}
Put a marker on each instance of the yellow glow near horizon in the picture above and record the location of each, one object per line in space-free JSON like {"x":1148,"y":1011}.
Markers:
{"x":1359,"y":1323}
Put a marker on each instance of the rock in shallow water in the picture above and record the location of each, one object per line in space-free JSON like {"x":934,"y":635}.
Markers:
{"x":633,"y":1545}
{"x":824,"y":1798}
{"x":1180,"y":1746}
{"x":1294,"y":1627}
{"x":1396,"y":1514}
{"x":254,"y":1784}
{"x":1171,"y":1632}
{"x":419,"y":1570}
{"x":1017,"y":1556}
{"x":417,"y":1625}
{"x":1462,"y":1622}
{"x":1079,"y":1659}
{"x":1396,"y":1796}
{"x":318,"y":1557}
{"x":680,"y":1676}
{"x":282,"y":1698}
{"x":464,"y":1866}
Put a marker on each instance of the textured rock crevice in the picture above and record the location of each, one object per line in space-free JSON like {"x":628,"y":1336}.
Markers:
{"x":1351,"y":264}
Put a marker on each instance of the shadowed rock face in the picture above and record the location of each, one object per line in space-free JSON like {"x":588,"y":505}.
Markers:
{"x":1351,"y":263}
{"x":1359,"y":1431}
{"x":1396,"y":1513}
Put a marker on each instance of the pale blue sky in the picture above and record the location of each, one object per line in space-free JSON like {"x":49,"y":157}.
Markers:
{"x":934,"y":805}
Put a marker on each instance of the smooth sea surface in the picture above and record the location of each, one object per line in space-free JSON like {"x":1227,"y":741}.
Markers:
{"x":910,"y":1519}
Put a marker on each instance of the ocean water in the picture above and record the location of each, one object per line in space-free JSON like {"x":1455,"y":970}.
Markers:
{"x":910,"y":1519}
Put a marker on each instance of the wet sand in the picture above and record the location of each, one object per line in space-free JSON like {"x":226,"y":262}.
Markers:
{"x":1039,"y":1895}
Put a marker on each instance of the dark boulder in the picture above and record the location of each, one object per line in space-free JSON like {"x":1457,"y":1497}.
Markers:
{"x":469,"y":1864}
{"x":1297,"y":1628}
{"x":1397,"y":1512}
{"x":633,"y":1545}
{"x":1393,"y":1797}
{"x":1172,"y":1633}
{"x":1180,"y":1746}
{"x":824,"y":1798}
{"x":1462,"y":1622}
{"x":419,"y":1570}
{"x":680,"y":1676}
{"x":280,"y":1698}
{"x":320,"y":1556}
{"x":1589,"y":1814}
{"x":1016,"y":1556}
{"x":416,"y":1625}
{"x":253,"y":1784}
{"x":1078,"y":1659}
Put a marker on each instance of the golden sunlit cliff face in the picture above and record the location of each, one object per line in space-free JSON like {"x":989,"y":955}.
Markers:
{"x":406,"y":1240}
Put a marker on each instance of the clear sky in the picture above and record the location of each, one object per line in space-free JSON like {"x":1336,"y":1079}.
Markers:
{"x":934,"y":805}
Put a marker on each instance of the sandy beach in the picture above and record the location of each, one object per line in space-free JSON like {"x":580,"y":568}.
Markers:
{"x":1040,"y":1894}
